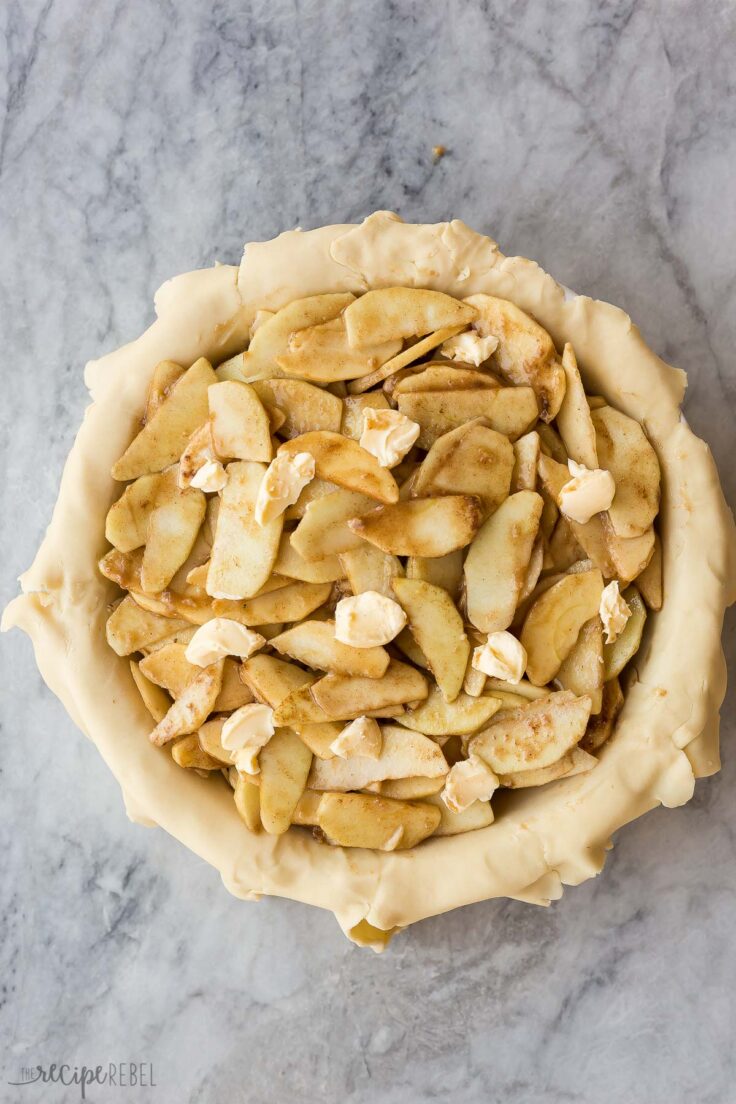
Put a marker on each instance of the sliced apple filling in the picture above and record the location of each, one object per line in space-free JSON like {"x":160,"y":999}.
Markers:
{"x":385,"y":561}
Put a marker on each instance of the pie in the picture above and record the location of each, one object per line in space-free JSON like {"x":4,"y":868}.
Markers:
{"x":364,"y":538}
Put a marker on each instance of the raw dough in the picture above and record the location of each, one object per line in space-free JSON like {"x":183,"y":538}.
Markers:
{"x":667,"y":733}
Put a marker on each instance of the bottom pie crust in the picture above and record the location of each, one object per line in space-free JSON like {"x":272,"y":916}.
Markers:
{"x":667,"y":733}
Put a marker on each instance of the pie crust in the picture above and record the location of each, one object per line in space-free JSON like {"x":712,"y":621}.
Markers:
{"x":667,"y":733}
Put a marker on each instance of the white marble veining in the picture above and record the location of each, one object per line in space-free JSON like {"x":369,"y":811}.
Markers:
{"x":139,"y":140}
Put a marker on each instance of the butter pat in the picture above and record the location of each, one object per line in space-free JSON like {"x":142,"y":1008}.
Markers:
{"x":210,"y":477}
{"x":368,"y":620}
{"x":361,"y":737}
{"x":245,"y":732}
{"x":588,"y":492}
{"x":468,"y":781}
{"x":285,"y":479}
{"x":222,"y":637}
{"x":614,"y":611}
{"x":470,"y":347}
{"x":502,"y":657}
{"x":388,"y":435}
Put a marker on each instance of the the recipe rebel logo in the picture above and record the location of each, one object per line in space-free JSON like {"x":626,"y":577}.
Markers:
{"x":121,"y":1075}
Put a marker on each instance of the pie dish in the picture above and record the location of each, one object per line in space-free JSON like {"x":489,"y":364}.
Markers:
{"x":665,"y":735}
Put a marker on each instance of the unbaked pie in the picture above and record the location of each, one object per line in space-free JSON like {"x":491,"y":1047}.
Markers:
{"x":403,"y":543}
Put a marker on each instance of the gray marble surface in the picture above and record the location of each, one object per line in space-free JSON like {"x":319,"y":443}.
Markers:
{"x":143,"y":139}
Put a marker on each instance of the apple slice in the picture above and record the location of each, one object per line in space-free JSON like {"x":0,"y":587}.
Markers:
{"x":291,"y":564}
{"x":534,"y":568}
{"x":404,"y":754}
{"x":408,"y":789}
{"x":165,"y":376}
{"x":340,"y":460}
{"x":399,"y":363}
{"x":173,"y":524}
{"x":600,"y":727}
{"x":169,"y":667}
{"x":649,"y":582}
{"x":123,"y":568}
{"x":437,"y":627}
{"x":313,"y":643}
{"x":284,"y":763}
{"x":192,"y":708}
{"x":471,"y":460}
{"x":534,"y":735}
{"x":442,"y":571}
{"x":507,"y":699}
{"x":525,"y":353}
{"x":625,"y":646}
{"x":271,"y":340}
{"x":554,"y":621}
{"x":436,"y":717}
{"x":305,"y":814}
{"x":271,"y":680}
{"x":422,"y":526}
{"x":322,"y":353}
{"x":614,"y":556}
{"x":551,"y":445}
{"x":526,"y":460}
{"x":629,"y":555}
{"x":563,"y":546}
{"x":509,"y":410}
{"x":247,"y":795}
{"x":240,"y":425}
{"x":304,"y":406}
{"x":343,"y":697}
{"x":324,"y":529}
{"x":582,"y":670}
{"x":130,"y":628}
{"x":287,"y":603}
{"x":573,"y":418}
{"x":194,"y":610}
{"x":364,"y":820}
{"x":498,"y":559}
{"x":187,"y":753}
{"x":444,"y":377}
{"x":299,"y":708}
{"x":576,"y":761}
{"x":623,"y":449}
{"x":406,"y":643}
{"x":369,"y":568}
{"x":478,"y":815}
{"x":199,"y":450}
{"x":523,"y":689}
{"x":156,"y":700}
{"x":126,"y":525}
{"x":319,"y":736}
{"x":318,"y":488}
{"x":233,"y":693}
{"x":243,"y":552}
{"x":180,"y":636}
{"x":397,"y":312}
{"x":210,"y":740}
{"x":353,"y":409}
{"x":163,"y":438}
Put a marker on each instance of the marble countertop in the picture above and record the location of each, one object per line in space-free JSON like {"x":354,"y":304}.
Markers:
{"x":142,"y":140}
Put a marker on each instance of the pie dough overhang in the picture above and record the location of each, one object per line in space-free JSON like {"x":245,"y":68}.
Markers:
{"x":667,"y":734}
